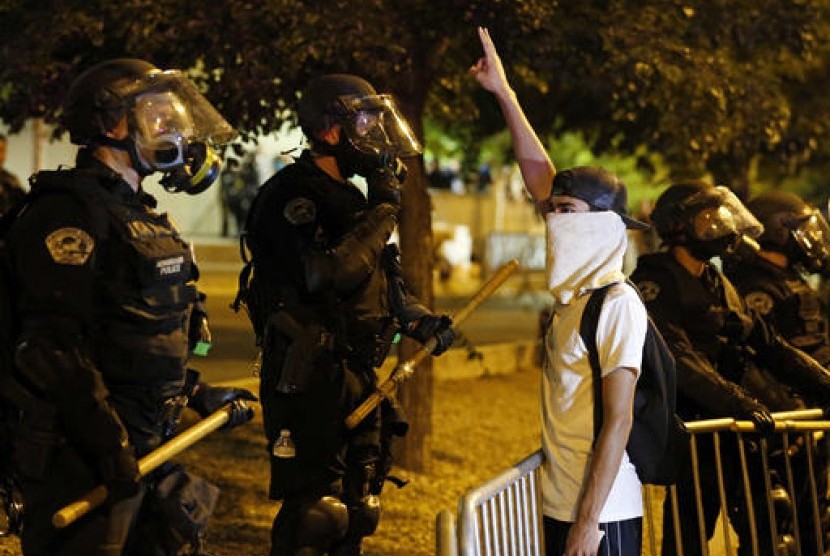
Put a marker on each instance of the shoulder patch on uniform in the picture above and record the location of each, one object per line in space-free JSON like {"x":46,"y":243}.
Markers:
{"x":759,"y":301}
{"x":70,"y":246}
{"x":300,"y":210}
{"x":649,"y":290}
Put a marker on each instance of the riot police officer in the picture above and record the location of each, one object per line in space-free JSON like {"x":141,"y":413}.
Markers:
{"x":326,"y":299}
{"x":795,"y":243}
{"x":714,"y":339}
{"x":104,"y":289}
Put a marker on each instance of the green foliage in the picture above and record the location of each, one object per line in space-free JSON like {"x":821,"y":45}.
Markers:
{"x":644,"y":175}
{"x":708,"y":84}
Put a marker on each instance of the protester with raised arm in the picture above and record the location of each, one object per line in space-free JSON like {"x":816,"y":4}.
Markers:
{"x":591,"y":493}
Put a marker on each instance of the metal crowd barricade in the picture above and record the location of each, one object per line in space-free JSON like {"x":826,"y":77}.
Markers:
{"x":796,"y":435}
{"x":503,"y":517}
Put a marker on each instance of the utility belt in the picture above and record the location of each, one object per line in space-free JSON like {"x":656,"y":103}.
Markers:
{"x":309,"y":347}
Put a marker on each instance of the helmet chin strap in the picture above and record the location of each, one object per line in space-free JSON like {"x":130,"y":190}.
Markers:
{"x":127,"y":145}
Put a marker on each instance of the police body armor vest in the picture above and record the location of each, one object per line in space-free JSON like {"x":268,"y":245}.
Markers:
{"x":146,"y":290}
{"x":150,"y":302}
{"x":278,"y":278}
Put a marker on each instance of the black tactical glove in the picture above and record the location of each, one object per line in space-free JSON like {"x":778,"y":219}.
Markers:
{"x":383,"y":186}
{"x":764,"y":423}
{"x":439,"y":326}
{"x":118,"y":471}
{"x":208,"y":399}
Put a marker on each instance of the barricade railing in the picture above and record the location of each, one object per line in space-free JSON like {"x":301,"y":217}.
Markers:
{"x":783,"y":517}
{"x":503,"y":517}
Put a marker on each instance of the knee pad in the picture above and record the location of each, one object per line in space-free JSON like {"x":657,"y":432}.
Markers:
{"x":322,"y":522}
{"x":364,"y":516}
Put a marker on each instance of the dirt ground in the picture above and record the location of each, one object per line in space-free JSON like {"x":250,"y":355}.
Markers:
{"x":480,"y":427}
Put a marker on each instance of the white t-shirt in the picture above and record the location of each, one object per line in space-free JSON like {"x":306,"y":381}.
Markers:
{"x":568,"y":402}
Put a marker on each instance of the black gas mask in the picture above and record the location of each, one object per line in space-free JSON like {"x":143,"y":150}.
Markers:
{"x":173,"y":130}
{"x":200,"y":169}
{"x":374,"y":136}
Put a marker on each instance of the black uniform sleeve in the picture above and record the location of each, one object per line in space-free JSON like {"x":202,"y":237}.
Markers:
{"x":54,"y":250}
{"x":789,"y":364}
{"x":697,"y":378}
{"x":345,"y":265}
{"x":762,"y":300}
{"x":406,"y":307}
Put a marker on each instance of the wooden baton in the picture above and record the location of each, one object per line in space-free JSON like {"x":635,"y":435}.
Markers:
{"x":403,"y":371}
{"x":179,"y":443}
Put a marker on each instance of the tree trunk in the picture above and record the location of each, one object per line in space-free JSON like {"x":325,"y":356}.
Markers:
{"x":415,"y":231}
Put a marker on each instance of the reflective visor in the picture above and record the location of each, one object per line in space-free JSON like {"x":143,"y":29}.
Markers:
{"x":375,"y":125}
{"x":160,"y":114}
{"x":170,"y":98}
{"x":716,"y":212}
{"x":813,"y":235}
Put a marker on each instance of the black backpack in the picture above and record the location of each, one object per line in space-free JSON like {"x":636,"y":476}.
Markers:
{"x":658,"y":444}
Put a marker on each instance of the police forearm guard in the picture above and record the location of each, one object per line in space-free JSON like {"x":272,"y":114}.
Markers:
{"x":69,"y":381}
{"x":793,"y":367}
{"x":405,"y":306}
{"x":346,"y":265}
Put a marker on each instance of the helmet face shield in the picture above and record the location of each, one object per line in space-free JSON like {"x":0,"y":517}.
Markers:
{"x":375,"y":126}
{"x":174,"y":128}
{"x":812,"y":234}
{"x":170,"y":98}
{"x":717,"y":213}
{"x":162,"y":126}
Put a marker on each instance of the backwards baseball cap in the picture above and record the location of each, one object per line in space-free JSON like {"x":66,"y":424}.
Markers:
{"x":601,"y":189}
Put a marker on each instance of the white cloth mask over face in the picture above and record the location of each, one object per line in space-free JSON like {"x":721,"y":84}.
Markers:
{"x":585,"y":251}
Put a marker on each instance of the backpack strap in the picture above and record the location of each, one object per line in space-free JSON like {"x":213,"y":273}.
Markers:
{"x":588,"y":330}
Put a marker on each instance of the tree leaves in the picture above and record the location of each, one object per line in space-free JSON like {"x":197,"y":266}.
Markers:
{"x":692,"y":79}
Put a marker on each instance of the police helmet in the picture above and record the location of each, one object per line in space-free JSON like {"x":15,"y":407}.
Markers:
{"x":794,"y":228}
{"x":319,"y":106}
{"x":94,"y":104}
{"x":372,"y":123}
{"x":695,"y":211}
{"x":171,"y":127}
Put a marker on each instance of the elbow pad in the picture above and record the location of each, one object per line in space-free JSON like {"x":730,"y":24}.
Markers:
{"x":345,"y":266}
